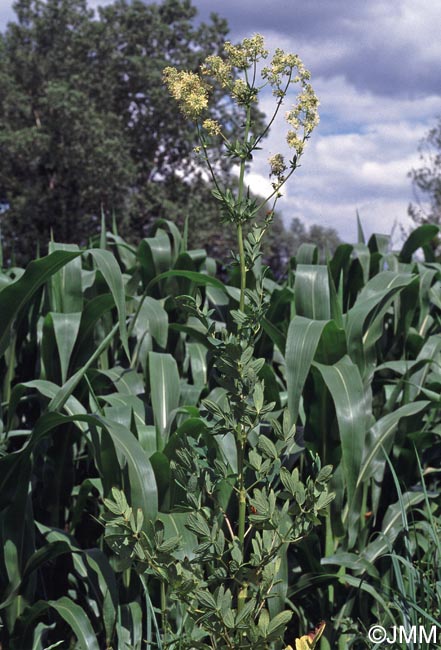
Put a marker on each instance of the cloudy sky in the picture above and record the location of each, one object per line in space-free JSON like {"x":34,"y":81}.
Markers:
{"x":376,"y":68}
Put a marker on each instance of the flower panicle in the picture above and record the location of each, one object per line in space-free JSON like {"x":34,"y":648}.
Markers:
{"x":280,"y":72}
{"x":278,"y":168}
{"x":212,"y":127}
{"x":303,"y":116}
{"x":247,"y":53}
{"x":219,"y":69}
{"x":189,"y":91}
{"x":192,"y":91}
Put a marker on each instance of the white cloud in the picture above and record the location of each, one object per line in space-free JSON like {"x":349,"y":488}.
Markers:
{"x":344,"y":103}
{"x":259,"y":184}
{"x":415,"y":25}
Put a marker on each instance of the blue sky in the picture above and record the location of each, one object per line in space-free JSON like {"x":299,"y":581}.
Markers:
{"x":376,"y":68}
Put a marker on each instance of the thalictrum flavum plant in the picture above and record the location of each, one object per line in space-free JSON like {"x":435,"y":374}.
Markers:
{"x":241,"y":518}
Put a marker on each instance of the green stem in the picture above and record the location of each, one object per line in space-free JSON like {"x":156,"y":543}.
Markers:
{"x":207,"y":160}
{"x":241,"y":434}
{"x":279,"y":104}
{"x":275,"y":192}
{"x":243,"y":271}
{"x":242,"y":505}
{"x":164,"y":611}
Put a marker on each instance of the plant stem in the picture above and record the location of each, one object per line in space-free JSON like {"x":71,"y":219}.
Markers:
{"x":243,"y":271}
{"x":279,"y":104}
{"x":242,"y":504}
{"x":164,"y":611}
{"x":241,"y":433}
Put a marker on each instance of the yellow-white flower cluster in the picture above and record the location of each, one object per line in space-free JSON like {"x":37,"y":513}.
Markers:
{"x":281,"y":67}
{"x":212,"y":127}
{"x":303,"y":116}
{"x":188,"y":89}
{"x":250,"y":51}
{"x":277,"y":168}
{"x":191,"y":90}
{"x":222,"y":71}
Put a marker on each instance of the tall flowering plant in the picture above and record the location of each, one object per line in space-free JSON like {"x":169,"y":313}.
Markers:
{"x":237,"y":73}
{"x":229,"y":593}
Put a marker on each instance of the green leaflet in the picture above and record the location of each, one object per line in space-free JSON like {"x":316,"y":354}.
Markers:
{"x":417,"y":239}
{"x":361,"y":253}
{"x":360,"y":234}
{"x":152,"y":321}
{"x":379,"y":440}
{"x":66,"y":327}
{"x":143,"y":491}
{"x":154,"y":255}
{"x":392,"y":526}
{"x":198,"y":362}
{"x":307,"y":254}
{"x":176,"y":241}
{"x":59,"y":400}
{"x":94,"y":309}
{"x":364,"y":320}
{"x":47,"y":388}
{"x":175,"y":526}
{"x":429,"y":352}
{"x":66,"y":289}
{"x":302,"y":341}
{"x":126,"y":253}
{"x":45,"y":554}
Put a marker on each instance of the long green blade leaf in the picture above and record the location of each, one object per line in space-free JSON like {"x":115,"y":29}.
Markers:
{"x":15,"y":296}
{"x":78,"y":620}
{"x":164,"y":386}
{"x":107,"y":264}
{"x":301,"y":345}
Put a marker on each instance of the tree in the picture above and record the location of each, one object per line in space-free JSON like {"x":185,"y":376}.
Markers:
{"x":62,"y":158}
{"x":86,"y":125}
{"x":326,"y":240}
{"x":427,"y":178}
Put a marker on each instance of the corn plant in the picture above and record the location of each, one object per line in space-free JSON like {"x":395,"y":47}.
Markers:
{"x":81,"y":340}
{"x":361,"y":363}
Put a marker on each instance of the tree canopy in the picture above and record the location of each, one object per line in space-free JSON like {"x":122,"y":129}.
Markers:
{"x":427,"y":178}
{"x":85,"y":123}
